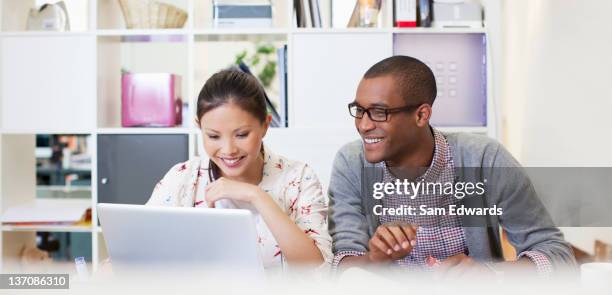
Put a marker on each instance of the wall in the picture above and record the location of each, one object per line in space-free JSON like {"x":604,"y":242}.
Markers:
{"x":556,"y":92}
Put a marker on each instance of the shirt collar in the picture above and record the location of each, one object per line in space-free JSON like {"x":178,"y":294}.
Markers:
{"x":439,"y":161}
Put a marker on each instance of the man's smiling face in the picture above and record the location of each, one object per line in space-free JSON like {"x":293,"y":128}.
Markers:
{"x":390,"y":140}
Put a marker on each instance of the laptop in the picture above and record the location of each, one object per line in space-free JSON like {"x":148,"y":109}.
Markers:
{"x":180,"y":239}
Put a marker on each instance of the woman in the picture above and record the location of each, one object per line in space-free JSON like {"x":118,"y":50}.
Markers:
{"x":285,"y":196}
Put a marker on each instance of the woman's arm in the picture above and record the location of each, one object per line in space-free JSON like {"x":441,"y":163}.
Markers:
{"x":173,"y":189}
{"x":294,"y":242}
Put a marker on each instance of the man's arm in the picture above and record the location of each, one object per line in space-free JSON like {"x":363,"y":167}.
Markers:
{"x":348,"y":225}
{"x":529,"y":227}
{"x":390,"y":242}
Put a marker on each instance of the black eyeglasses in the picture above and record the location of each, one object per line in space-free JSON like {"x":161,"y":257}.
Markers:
{"x":377,"y":114}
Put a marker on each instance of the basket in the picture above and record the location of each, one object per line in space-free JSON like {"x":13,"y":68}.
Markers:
{"x":146,"y":14}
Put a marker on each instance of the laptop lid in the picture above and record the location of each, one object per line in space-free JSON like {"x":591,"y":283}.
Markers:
{"x":169,"y":237}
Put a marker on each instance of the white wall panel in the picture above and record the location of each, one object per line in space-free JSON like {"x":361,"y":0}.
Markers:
{"x":47,"y":83}
{"x":326,"y":71}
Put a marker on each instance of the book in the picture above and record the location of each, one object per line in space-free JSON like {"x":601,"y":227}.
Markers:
{"x":424,"y":13}
{"x":282,"y":77}
{"x":315,"y":13}
{"x":46,"y":212}
{"x":405,"y":13}
{"x":307,"y":13}
{"x":231,"y":14}
{"x":300,"y":17}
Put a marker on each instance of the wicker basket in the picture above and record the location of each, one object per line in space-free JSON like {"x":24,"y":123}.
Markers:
{"x":146,"y":14}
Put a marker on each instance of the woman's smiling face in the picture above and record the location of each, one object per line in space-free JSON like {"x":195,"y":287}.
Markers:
{"x":233,"y":140}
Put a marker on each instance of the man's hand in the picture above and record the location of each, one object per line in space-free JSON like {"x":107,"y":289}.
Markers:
{"x":391,"y":242}
{"x":461,"y":266}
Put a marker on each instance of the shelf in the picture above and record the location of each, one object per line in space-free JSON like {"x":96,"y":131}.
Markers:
{"x":47,"y":228}
{"x":142,"y":32}
{"x":242,"y":36}
{"x":44,"y":34}
{"x":136,"y":54}
{"x":44,"y":131}
{"x":439,"y":30}
{"x":64,"y":188}
{"x":242,"y":31}
{"x":194,"y":52}
{"x":146,"y":130}
{"x":463,"y":129}
{"x":389,"y":30}
{"x":339,"y":30}
{"x":14,"y":14}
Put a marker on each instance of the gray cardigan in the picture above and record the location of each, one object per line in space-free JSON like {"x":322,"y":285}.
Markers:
{"x":526,"y":221}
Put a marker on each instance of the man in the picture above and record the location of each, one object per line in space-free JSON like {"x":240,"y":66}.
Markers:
{"x":392,"y":110}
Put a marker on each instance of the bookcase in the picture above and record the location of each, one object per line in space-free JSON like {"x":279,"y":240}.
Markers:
{"x":69,"y":83}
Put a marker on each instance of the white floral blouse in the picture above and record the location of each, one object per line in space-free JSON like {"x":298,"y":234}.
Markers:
{"x":293,"y":186}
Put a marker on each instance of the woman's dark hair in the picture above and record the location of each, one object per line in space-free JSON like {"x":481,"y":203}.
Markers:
{"x":235,"y":86}
{"x":231,"y":86}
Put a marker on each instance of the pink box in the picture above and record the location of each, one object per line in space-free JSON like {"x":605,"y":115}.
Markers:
{"x":151,"y":99}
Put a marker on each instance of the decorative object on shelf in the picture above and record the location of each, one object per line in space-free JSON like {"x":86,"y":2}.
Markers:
{"x":405,"y":13}
{"x":147,"y":14}
{"x":31,"y":255}
{"x":236,"y":14}
{"x":365,"y":14}
{"x":262,"y":61}
{"x":265,"y":67}
{"x":151,"y":99}
{"x":276,"y":119}
{"x":456,"y":14}
{"x":603,"y":251}
{"x":50,"y":17}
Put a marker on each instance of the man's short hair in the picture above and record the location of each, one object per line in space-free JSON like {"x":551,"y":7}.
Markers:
{"x":415,"y":79}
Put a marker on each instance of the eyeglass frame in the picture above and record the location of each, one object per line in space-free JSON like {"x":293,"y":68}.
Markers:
{"x":386,"y":110}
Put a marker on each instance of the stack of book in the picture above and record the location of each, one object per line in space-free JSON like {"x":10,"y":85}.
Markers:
{"x":241,"y":14}
{"x":437,"y":13}
{"x":48,"y":212}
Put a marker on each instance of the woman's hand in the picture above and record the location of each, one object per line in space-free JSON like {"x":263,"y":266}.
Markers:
{"x":224,"y":188}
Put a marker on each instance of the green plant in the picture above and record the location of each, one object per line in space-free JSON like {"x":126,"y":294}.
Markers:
{"x":261,"y":62}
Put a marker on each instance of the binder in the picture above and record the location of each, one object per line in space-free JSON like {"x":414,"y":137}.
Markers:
{"x":315,"y":13}
{"x":300,"y":15}
{"x":306,"y":6}
{"x":425,"y":16}
{"x":282,"y":72}
{"x":405,"y":13}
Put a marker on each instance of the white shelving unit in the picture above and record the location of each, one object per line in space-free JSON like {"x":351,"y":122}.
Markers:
{"x":69,"y":83}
